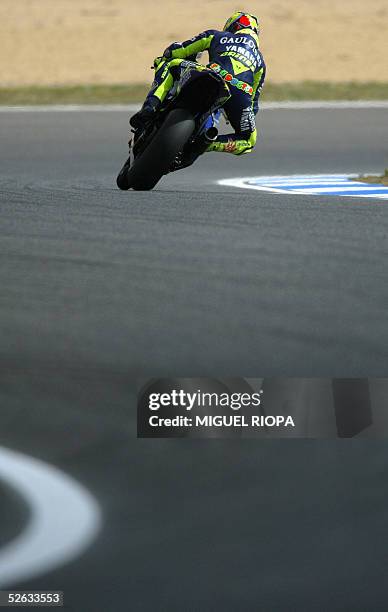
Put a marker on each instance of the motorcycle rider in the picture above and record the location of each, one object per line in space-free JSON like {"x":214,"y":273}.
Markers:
{"x":234,"y":54}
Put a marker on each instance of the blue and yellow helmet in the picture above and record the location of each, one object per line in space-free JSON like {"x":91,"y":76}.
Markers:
{"x":242,"y":21}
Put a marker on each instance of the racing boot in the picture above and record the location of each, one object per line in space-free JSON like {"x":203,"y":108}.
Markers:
{"x":146,"y":113}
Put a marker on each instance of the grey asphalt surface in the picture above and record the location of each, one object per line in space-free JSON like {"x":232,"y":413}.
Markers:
{"x":193,"y":277}
{"x":100,"y":287}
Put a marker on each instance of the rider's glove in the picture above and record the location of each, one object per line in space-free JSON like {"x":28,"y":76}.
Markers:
{"x":167,"y":53}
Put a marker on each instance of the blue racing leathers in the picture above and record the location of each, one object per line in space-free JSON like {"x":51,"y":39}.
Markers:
{"x":237,"y":59}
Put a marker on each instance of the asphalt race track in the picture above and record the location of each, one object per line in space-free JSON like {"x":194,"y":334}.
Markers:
{"x":101,"y":287}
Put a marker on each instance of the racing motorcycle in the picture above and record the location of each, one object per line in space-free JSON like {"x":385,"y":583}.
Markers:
{"x":182,"y":129}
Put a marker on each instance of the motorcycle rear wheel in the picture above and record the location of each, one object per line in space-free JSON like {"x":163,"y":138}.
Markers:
{"x":149,"y":167}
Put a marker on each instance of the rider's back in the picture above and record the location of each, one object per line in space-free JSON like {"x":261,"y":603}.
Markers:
{"x":237,"y":52}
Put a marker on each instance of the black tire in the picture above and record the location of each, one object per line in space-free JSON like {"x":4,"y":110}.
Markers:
{"x":121,"y":180}
{"x":155,"y":161}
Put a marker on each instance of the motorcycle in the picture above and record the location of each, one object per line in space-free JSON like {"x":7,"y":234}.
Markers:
{"x":182,"y":129}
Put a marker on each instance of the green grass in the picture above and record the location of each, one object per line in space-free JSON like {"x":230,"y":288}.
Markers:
{"x":126,"y":94}
{"x":382,"y":179}
{"x":73,"y":94}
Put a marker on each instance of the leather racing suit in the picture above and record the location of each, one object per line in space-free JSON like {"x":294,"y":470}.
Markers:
{"x":236,"y":57}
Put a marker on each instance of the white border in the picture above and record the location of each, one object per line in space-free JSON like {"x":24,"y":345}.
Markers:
{"x":240,"y":182}
{"x":71,"y":108}
{"x":302,"y":105}
{"x":65,"y":518}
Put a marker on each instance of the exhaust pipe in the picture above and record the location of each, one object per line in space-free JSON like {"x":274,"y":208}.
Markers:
{"x":211,"y":134}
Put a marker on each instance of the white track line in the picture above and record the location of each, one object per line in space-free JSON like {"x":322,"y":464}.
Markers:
{"x":305,"y":105}
{"x":244,"y":182}
{"x":71,"y":108}
{"x":65,"y":518}
{"x":278,"y":184}
{"x":349,"y":188}
{"x":322,"y":104}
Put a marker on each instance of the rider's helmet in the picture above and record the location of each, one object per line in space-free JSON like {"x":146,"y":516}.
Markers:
{"x":242,"y":21}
